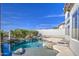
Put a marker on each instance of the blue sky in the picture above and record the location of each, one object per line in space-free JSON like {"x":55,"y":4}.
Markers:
{"x":31,"y":15}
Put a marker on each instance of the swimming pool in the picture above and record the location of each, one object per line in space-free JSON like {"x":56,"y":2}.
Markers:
{"x":34,"y":48}
{"x":33,"y":43}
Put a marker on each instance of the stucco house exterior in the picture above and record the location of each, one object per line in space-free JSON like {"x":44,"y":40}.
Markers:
{"x":71,"y":11}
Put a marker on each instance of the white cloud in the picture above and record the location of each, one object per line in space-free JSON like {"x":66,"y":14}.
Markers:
{"x":60,"y":15}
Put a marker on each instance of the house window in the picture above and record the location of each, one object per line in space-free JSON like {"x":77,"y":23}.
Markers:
{"x":75,"y":25}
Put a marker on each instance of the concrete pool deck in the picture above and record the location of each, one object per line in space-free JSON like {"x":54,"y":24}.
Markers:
{"x":63,"y":49}
{"x":38,"y":52}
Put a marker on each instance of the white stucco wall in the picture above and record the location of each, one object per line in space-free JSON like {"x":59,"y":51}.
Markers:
{"x":74,"y":43}
{"x":52,"y":32}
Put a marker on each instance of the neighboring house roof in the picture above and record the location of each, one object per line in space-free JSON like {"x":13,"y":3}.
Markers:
{"x":61,"y":24}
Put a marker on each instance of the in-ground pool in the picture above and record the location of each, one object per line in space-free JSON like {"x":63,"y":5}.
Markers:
{"x":34,"y":47}
{"x":33,"y":43}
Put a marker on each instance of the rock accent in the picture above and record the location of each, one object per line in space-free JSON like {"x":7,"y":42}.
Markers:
{"x":19,"y":51}
{"x":48,"y":44}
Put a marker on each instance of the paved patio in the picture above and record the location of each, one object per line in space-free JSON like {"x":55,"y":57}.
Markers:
{"x":38,"y":52}
{"x":63,"y":49}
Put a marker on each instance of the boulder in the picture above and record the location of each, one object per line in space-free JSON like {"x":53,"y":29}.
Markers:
{"x":18,"y":50}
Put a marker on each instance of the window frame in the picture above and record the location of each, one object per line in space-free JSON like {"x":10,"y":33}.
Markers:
{"x":75,"y":24}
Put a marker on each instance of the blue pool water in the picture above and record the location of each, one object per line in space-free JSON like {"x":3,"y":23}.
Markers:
{"x":28,"y":44}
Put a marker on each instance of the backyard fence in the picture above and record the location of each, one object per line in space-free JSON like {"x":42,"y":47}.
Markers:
{"x":52,"y":32}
